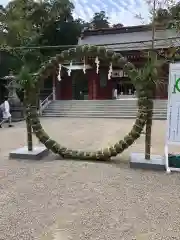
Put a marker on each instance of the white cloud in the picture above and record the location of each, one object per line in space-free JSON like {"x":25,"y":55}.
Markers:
{"x":128,"y":16}
{"x":118,"y":11}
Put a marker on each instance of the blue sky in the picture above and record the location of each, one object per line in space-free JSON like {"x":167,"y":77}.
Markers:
{"x":122,"y":11}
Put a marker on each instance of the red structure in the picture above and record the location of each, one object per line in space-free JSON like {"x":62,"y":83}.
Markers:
{"x":131,"y":42}
{"x":88,"y":87}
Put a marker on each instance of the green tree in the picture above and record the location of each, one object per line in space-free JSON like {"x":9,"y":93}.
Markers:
{"x":118,"y":25}
{"x":27,"y":80}
{"x":28,"y":24}
{"x":156,"y":11}
{"x":100,"y":20}
{"x":34,"y":23}
{"x":159,"y":16}
{"x":169,"y":17}
{"x":16,"y":28}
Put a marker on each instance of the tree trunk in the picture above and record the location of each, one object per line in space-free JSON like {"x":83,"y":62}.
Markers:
{"x":29,"y":134}
{"x":150,"y":105}
{"x":28,"y":124}
{"x":148,"y":131}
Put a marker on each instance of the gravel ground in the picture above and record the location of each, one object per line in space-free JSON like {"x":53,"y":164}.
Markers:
{"x":64,"y":200}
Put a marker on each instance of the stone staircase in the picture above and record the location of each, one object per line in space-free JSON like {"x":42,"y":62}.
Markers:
{"x":126,"y":108}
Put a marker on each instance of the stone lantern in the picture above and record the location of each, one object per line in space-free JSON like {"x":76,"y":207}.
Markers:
{"x":17,"y":110}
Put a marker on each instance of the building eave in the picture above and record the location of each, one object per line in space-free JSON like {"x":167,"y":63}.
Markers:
{"x":106,"y":31}
{"x":142,"y":45}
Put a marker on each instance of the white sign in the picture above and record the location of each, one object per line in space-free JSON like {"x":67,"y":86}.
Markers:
{"x":173,"y":111}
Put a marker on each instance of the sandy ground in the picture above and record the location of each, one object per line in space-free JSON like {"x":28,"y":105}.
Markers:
{"x":57,"y":199}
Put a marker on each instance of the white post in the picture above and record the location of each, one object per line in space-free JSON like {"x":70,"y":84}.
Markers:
{"x":54,"y":87}
{"x":40,"y":109}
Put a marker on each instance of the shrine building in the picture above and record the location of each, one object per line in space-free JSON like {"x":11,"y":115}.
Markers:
{"x":131,"y":42}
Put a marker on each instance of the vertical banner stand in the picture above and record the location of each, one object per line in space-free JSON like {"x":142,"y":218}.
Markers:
{"x":173,"y":113}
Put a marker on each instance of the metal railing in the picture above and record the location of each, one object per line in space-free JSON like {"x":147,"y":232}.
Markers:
{"x":45,"y":92}
{"x":44,"y":103}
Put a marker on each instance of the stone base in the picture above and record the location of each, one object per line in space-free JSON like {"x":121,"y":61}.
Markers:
{"x":38,"y":153}
{"x":138,"y":161}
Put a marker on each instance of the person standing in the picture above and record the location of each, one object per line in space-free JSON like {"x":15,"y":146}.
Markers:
{"x":6,"y":112}
{"x":1,"y":112}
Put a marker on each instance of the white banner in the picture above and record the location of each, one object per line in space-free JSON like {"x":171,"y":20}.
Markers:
{"x":173,"y":111}
{"x":173,"y":114}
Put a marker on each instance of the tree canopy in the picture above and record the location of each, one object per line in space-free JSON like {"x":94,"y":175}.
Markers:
{"x":170,"y":16}
{"x":100,"y":20}
{"x":30,"y":23}
{"x":118,"y":25}
{"x":27,"y":23}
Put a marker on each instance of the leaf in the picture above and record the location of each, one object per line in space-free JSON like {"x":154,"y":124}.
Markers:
{"x":25,"y":78}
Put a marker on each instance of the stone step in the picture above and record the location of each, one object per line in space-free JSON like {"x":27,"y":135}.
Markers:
{"x":159,"y":117}
{"x":101,"y":116}
{"x":107,"y":100}
{"x":104,"y":104}
{"x":100,"y":112}
{"x":60,"y":108}
{"x":101,"y":101}
{"x":101,"y":109}
{"x":101,"y":106}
